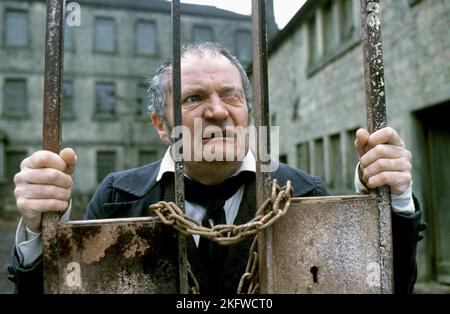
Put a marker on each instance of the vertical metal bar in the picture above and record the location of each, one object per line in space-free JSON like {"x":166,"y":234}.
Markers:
{"x":376,"y":119}
{"x":261,"y":107}
{"x":53,"y":72}
{"x":179,"y":166}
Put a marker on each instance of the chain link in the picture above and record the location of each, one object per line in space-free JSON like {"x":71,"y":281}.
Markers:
{"x":250,"y":275}
{"x":275,"y":206}
{"x":270,"y":211}
{"x":194,"y":287}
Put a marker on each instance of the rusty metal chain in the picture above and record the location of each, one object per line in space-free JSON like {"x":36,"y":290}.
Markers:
{"x":250,"y":275}
{"x":275,"y":206}
{"x":270,"y":211}
{"x":194,"y":287}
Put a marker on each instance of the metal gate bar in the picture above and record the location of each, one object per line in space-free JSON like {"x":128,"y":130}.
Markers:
{"x":376,"y":118}
{"x":53,"y":72}
{"x":178,"y":121}
{"x":261,"y":114}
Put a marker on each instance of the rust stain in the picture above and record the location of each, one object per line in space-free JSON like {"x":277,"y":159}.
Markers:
{"x":95,"y":246}
{"x":112,"y":256}
{"x":137,"y":247}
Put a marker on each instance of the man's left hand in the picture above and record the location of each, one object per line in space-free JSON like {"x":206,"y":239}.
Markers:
{"x":384,"y":160}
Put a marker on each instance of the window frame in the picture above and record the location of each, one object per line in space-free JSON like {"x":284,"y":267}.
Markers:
{"x":236,"y":42}
{"x":145,"y":54}
{"x":25,"y":114}
{"x":97,"y":172}
{"x":139,"y":113}
{"x":27,"y":30}
{"x":9,"y":151}
{"x":72,"y":48}
{"x":68,"y":115}
{"x":95,"y":49}
{"x":102,"y":115}
{"x":342,"y":10}
{"x":204,"y":27}
{"x":313,"y":43}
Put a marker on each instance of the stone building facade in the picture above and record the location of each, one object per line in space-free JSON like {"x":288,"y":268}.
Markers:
{"x":109,"y":58}
{"x":316,"y":88}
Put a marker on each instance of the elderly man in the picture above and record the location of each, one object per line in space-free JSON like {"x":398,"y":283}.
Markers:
{"x":215,"y":92}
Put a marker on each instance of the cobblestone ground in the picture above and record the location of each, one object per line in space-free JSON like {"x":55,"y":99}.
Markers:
{"x":7,"y":231}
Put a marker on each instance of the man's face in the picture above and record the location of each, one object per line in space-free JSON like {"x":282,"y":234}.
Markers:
{"x":213,"y":105}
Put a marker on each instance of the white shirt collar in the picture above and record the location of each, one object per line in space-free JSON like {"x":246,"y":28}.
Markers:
{"x":168,"y":165}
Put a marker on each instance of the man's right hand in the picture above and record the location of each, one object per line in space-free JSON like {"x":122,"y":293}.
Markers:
{"x":44,"y":184}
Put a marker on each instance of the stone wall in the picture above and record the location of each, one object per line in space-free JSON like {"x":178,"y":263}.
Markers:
{"x":323,"y":105}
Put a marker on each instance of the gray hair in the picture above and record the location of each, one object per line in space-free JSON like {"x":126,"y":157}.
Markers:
{"x":160,"y":83}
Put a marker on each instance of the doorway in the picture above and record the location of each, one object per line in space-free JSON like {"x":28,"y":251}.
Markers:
{"x":436,"y":152}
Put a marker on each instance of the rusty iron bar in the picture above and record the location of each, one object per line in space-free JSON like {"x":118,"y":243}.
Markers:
{"x":53,"y":76}
{"x":261,"y":108}
{"x":179,"y":165}
{"x":53,"y":73}
{"x":376,"y":118}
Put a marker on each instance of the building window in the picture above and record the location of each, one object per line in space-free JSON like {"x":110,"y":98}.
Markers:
{"x":142,"y":98}
{"x":16,"y":28}
{"x":15,"y":91}
{"x":147,"y":156}
{"x":333,"y":37}
{"x":145,"y":39}
{"x":346,"y":19}
{"x":328,"y":29}
{"x":303,"y":156}
{"x":69,"y":38}
{"x":105,"y":35}
{"x":244,"y":45}
{"x":203,"y":33}
{"x":104,"y":98}
{"x":12,"y":163}
{"x":312,"y":41}
{"x":67,"y":107}
{"x":106,"y":163}
{"x":335,"y":162}
{"x":319,"y":169}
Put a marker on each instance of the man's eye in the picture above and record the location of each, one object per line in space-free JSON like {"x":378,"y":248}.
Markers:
{"x":193,"y":98}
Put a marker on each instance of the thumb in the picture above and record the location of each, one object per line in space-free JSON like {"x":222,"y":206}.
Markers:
{"x":362,"y":136}
{"x":69,"y":156}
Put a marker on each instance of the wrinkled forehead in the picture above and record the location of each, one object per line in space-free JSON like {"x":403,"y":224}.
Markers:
{"x":205,"y":57}
{"x":193,"y":57}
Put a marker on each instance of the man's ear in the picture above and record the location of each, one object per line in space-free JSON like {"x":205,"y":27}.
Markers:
{"x":160,"y":128}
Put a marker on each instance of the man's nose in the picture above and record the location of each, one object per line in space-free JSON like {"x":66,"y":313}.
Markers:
{"x":216,"y":109}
